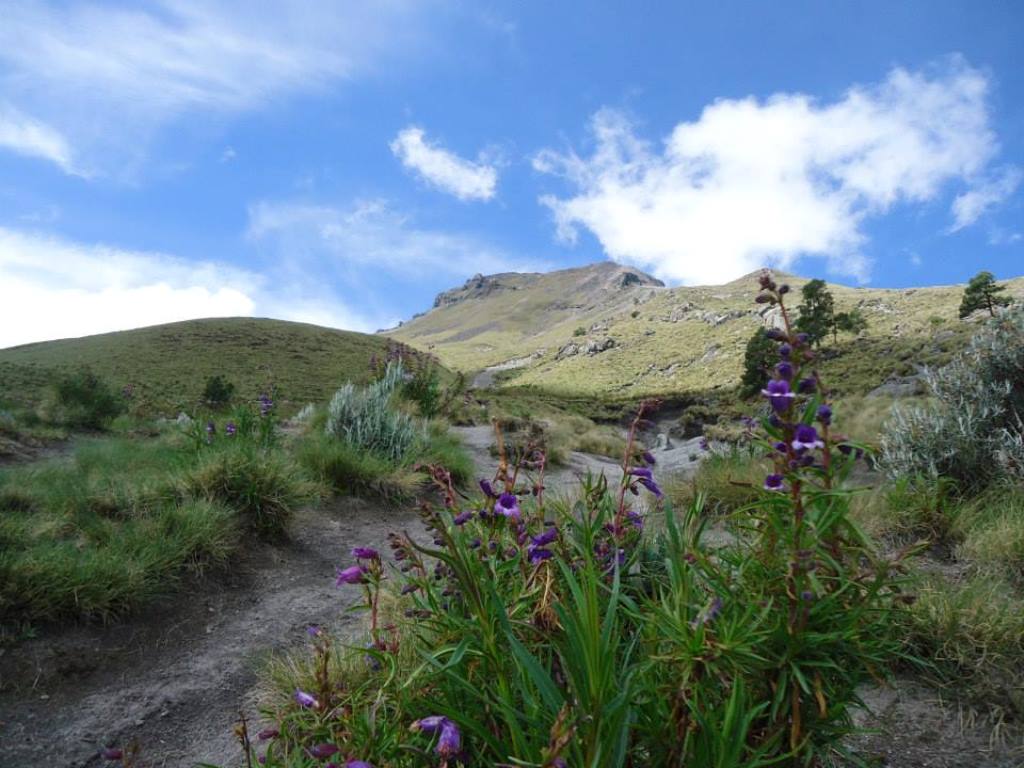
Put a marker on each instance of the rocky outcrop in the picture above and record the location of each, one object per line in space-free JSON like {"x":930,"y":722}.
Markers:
{"x":590,"y":347}
{"x":477,"y":287}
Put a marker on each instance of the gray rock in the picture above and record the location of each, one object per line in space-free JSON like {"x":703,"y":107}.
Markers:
{"x":899,"y":386}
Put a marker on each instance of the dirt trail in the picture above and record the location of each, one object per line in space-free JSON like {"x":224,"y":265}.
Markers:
{"x":174,"y":677}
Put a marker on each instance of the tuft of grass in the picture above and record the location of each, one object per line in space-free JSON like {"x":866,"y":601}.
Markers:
{"x":973,"y":635}
{"x":86,"y":567}
{"x":263,"y":487}
{"x":991,"y":529}
{"x":346,"y":469}
{"x":728,"y":481}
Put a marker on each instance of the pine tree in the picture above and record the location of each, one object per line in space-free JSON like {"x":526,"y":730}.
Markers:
{"x":852,"y":322}
{"x":982,"y":292}
{"x":817,"y":311}
{"x":761,"y":355}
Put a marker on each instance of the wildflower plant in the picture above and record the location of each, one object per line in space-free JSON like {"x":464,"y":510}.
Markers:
{"x":549,"y":633}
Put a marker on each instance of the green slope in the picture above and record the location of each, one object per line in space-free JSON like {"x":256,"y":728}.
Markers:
{"x":665,"y":339}
{"x":167,"y":365}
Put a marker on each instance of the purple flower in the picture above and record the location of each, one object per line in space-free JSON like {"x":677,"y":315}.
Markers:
{"x":784,"y":370}
{"x":357,"y":764}
{"x":775,"y":334}
{"x":778,"y":394}
{"x":641,"y":472}
{"x":806,"y":386}
{"x":538,"y":554}
{"x":268,"y":733}
{"x":266,"y":404}
{"x":636,"y":519}
{"x":463,"y":518}
{"x":321,"y":751}
{"x":773,"y":483}
{"x":210,"y":427}
{"x":785,"y":350}
{"x":651,"y":486}
{"x":806,"y":437}
{"x":450,"y":742}
{"x":314,"y":631}
{"x":649,"y":458}
{"x":304,"y":699}
{"x":546,"y":537}
{"x":230,"y":429}
{"x":802,"y":338}
{"x":355,"y":574}
{"x":365,"y":553}
{"x":111,"y":753}
{"x":781,"y":447}
{"x":824,"y":414}
{"x":488,"y":489}
{"x":704,"y":444}
{"x":508,"y":505}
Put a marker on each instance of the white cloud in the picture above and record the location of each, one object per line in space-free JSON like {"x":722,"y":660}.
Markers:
{"x":108,"y":75}
{"x":445,"y":170}
{"x":764,"y":182}
{"x":370,"y":236}
{"x":54,"y":288}
{"x":972,"y":204}
{"x":27,"y":136}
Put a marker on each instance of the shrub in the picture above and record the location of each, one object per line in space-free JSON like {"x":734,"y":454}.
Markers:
{"x":218,"y":391}
{"x":553,"y":633}
{"x":974,"y":430}
{"x":367,"y":419}
{"x":86,"y":401}
{"x":726,"y":481}
{"x":262,"y":487}
{"x":424,"y":389}
{"x":579,"y":331}
{"x":758,"y":359}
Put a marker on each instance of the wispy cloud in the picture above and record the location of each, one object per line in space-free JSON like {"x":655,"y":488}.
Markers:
{"x":369,"y":235}
{"x":765,"y":182}
{"x":27,"y":136}
{"x":972,"y":204}
{"x":52,"y":288}
{"x":445,"y":170}
{"x":107,"y":75}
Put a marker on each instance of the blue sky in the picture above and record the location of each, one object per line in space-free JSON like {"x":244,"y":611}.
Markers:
{"x":342,"y":162}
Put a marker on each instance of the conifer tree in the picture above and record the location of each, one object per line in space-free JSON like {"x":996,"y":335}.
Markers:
{"x":983,"y":292}
{"x":817,"y":311}
{"x":761,"y":355}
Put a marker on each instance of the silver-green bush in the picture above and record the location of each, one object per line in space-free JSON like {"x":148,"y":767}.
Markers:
{"x":366,"y":417}
{"x":973,"y":432}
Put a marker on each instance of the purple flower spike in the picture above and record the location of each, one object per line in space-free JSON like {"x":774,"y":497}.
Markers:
{"x":779,"y":394}
{"x":773,"y":483}
{"x":321,"y":751}
{"x":538,"y":554}
{"x":365,"y":553}
{"x":463,"y":518}
{"x":824,"y":414}
{"x":546,"y":537}
{"x":304,"y":699}
{"x":508,"y":505}
{"x":488,"y":489}
{"x":355,"y":574}
{"x":806,"y":437}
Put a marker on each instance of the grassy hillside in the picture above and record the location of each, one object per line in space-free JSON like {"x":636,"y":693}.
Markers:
{"x":662,"y":339}
{"x":167,"y":365}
